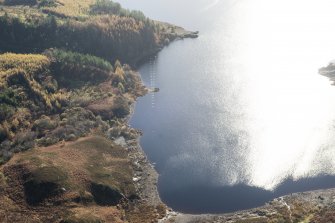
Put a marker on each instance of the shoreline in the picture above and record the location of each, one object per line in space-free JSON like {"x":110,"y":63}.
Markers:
{"x":300,"y":206}
{"x":297,"y":207}
{"x":145,"y":176}
{"x":178,"y":33}
{"x":78,"y":170}
{"x":86,"y":162}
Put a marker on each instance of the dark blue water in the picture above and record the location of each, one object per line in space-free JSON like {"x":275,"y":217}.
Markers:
{"x":242,"y":115}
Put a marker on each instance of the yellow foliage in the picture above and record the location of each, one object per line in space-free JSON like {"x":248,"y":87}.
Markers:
{"x":27,"y":65}
{"x":72,"y":7}
{"x":11,"y":63}
{"x":58,"y":105}
{"x":15,"y":123}
{"x":117,"y":64}
{"x":23,"y":116}
{"x":118,"y":24}
{"x":24,"y":14}
{"x":119,"y":74}
{"x":6,"y":126}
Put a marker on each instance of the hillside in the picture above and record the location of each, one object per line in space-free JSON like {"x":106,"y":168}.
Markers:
{"x":99,"y":28}
{"x":65,"y":143}
{"x":67,"y":153}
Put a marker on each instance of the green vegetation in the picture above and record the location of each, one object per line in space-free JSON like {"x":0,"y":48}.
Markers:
{"x":20,"y":72}
{"x":125,"y":35}
{"x":105,"y":7}
{"x":68,"y":87}
{"x":6,"y":111}
{"x":100,"y":28}
{"x":62,"y":103}
{"x":61,"y":95}
{"x":75,"y":69}
{"x":47,"y":3}
{"x":76,"y":59}
{"x":8,"y":96}
{"x":23,"y":94}
{"x":113,"y":8}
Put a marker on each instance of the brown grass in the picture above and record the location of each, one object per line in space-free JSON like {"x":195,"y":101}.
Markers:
{"x":89,"y":159}
{"x":106,"y":214}
{"x":145,"y":213}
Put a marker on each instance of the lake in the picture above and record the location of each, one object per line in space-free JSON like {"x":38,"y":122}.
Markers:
{"x":242,"y":115}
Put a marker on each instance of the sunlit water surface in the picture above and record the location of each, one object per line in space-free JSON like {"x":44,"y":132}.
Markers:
{"x":242,"y":115}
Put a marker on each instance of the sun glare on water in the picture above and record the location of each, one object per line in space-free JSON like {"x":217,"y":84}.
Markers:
{"x":268,"y":114}
{"x":289,"y":107}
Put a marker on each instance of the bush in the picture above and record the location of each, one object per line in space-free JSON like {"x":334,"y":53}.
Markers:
{"x":8,"y":97}
{"x":75,"y":122}
{"x":6,"y":111}
{"x":105,"y":7}
{"x":138,"y":15}
{"x":47,"y":3}
{"x":44,"y":124}
{"x":114,"y":8}
{"x":77,"y":59}
{"x":121,"y":108}
{"x":74,"y":69}
{"x":24,"y":141}
{"x":3,"y":134}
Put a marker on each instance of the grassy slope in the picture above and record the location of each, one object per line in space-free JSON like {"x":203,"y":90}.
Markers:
{"x":78,"y":160}
{"x":48,"y":114}
{"x":61,"y":110}
{"x":72,"y":8}
{"x":74,"y":166}
{"x":57,"y":97}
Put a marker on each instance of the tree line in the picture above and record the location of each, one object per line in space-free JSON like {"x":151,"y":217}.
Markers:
{"x":108,"y":36}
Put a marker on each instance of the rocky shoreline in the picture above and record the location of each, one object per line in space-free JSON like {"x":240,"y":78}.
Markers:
{"x":145,"y":176}
{"x":312,"y":206}
{"x":80,"y":161}
{"x":68,"y":154}
{"x":172,"y":33}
